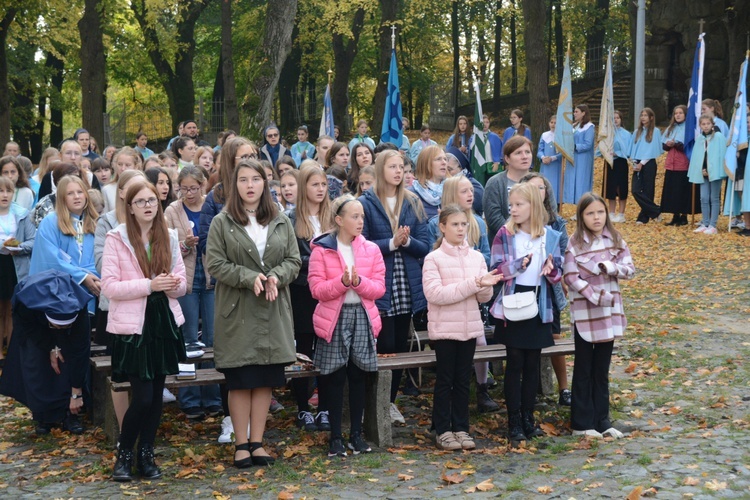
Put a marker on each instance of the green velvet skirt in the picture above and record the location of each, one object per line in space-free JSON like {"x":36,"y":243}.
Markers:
{"x":156,"y":351}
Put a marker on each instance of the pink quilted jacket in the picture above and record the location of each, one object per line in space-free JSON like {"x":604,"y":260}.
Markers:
{"x":126,"y":288}
{"x":326,"y":268}
{"x":453,"y":297}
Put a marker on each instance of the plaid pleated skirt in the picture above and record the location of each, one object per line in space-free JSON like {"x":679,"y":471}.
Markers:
{"x":352,"y":341}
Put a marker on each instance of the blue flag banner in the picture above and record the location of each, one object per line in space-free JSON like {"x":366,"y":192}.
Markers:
{"x":393,"y":127}
{"x":695,"y":97}
{"x":737,"y":139}
{"x":564,"y":128}
{"x":326,"y":121}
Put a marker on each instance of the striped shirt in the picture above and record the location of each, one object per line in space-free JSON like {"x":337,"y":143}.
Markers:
{"x":595,"y":302}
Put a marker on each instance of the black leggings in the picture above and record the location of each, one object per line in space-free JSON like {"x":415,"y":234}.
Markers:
{"x":144,"y":413}
{"x":301,"y":386}
{"x":394,"y":337}
{"x":521,"y":363}
{"x":332,"y":385}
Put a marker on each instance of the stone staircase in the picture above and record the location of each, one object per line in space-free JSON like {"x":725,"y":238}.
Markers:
{"x":622,"y":96}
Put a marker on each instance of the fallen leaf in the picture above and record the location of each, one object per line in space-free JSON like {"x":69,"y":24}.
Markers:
{"x":485,"y":485}
{"x":245,"y":487}
{"x":631,"y":367}
{"x":635,"y":494}
{"x":453,"y":478}
{"x":544,"y":489}
{"x":691,"y":481}
{"x":285,"y":495}
{"x":405,"y":477}
{"x":715,"y":485}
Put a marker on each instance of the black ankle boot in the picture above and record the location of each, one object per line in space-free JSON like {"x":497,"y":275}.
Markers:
{"x":683,"y":220}
{"x":123,"y":470}
{"x":147,"y":468}
{"x":515,"y":427}
{"x":530,"y":429}
{"x":675,"y":220}
{"x":485,"y":404}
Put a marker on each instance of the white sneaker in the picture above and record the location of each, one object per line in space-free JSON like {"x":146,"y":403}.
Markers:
{"x":396,"y":417}
{"x":738,"y":223}
{"x":612,"y":432}
{"x":589,"y":433}
{"x":227,"y":431}
{"x":701,"y":229}
{"x":710,"y":230}
{"x":167,"y":397}
{"x":622,"y":218}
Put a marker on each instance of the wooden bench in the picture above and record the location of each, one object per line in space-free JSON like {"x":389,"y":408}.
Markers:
{"x":377,"y":423}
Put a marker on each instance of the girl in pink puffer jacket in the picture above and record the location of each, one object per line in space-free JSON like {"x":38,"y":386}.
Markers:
{"x":346,"y":275}
{"x":455,"y":281}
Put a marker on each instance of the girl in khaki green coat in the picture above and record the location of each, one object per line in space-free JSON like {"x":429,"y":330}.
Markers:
{"x":252,"y":252}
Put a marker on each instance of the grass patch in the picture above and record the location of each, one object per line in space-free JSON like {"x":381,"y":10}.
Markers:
{"x":645,"y":460}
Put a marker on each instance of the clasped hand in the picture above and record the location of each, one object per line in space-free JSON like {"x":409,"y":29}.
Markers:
{"x":352,"y":279}
{"x":401,"y":236}
{"x":268,"y":284}
{"x":165,"y":282}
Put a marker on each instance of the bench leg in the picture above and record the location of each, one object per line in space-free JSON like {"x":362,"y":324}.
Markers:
{"x":99,"y":396}
{"x":547,"y":377}
{"x":110,"y":425}
{"x":377,"y":424}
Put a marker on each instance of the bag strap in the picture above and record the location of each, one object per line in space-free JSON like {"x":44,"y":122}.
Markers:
{"x":541,"y":248}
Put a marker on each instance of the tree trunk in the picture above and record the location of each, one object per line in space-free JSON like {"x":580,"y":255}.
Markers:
{"x":513,"y":50}
{"x":595,"y":60}
{"x":93,"y":68}
{"x":344,"y":52}
{"x":277,"y":42}
{"x":288,"y":87}
{"x":36,"y":140}
{"x":536,"y":69}
{"x":218,"y":97}
{"x":5,"y":22}
{"x":388,"y":18}
{"x":559,"y":42}
{"x":177,"y":82}
{"x":456,"y":55}
{"x":230,"y":89}
{"x":56,"y":66}
{"x":497,"y":61}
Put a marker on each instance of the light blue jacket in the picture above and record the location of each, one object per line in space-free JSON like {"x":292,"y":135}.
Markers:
{"x":642,"y":149}
{"x":25,"y":233}
{"x":715,"y":145}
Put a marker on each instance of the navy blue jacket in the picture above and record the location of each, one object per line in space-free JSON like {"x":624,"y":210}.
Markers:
{"x":304,"y":251}
{"x":377,"y":229}
{"x":211,"y":208}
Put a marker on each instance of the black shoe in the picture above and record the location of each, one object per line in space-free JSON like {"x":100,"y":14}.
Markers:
{"x":357,"y":444}
{"x":194,"y":413}
{"x":515,"y":428}
{"x":566,"y":398}
{"x":123,"y":470}
{"x":485,"y":404}
{"x":146,"y":466}
{"x":675,"y":221}
{"x":744,"y":232}
{"x":72,"y":424}
{"x":245,"y":462}
{"x":682,"y":221}
{"x":410,"y":390}
{"x":261,"y":460}
{"x":215,"y":411}
{"x":306,"y":421}
{"x":336,"y":447}
{"x":321,"y":421}
{"x":530,"y":429}
{"x":43,"y":428}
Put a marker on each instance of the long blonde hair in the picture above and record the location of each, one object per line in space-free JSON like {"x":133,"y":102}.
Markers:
{"x":401,"y":192}
{"x":538,"y":215}
{"x":302,"y":226}
{"x":89,"y":214}
{"x":450,"y":197}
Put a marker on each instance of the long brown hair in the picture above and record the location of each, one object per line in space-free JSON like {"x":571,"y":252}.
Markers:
{"x":22,"y":181}
{"x":44,"y":164}
{"x":521,"y":126}
{"x":450,"y":197}
{"x":302,"y":227}
{"x":402,"y":194}
{"x":672,"y":123}
{"x":649,"y":128}
{"x":267,"y":209}
{"x":457,"y":133}
{"x":228,"y":164}
{"x":158,"y":237}
{"x":89,"y":214}
{"x":337,"y":146}
{"x":586,"y":114}
{"x":581,"y":230}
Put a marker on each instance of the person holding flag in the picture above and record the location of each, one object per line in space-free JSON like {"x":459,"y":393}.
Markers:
{"x":676,"y":196}
{"x":564,"y":142}
{"x":736,"y":141}
{"x":581,"y":178}
{"x":695,"y":97}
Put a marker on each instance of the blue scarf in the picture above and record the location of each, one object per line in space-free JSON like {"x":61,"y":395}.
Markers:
{"x":273,"y":152}
{"x":431,"y":193}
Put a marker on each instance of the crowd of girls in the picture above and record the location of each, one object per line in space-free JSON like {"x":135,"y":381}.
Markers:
{"x":272,"y":261}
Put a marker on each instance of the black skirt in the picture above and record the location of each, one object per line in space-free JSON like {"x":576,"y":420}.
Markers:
{"x":677,"y":194}
{"x":527,"y":334}
{"x":8,"y":278}
{"x":156,"y":351}
{"x":254,"y":376}
{"x":617,"y":179}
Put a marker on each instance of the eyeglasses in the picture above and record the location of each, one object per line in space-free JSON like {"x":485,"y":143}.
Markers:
{"x":190,"y":190}
{"x":151,"y":202}
{"x":272,"y":135}
{"x":247,"y":157}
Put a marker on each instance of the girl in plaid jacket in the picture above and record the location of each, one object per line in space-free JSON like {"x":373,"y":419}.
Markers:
{"x":596,"y":259}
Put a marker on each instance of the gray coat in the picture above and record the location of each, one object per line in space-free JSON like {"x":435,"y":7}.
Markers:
{"x":105,"y":224}
{"x":495,"y":203}
{"x":25,"y":233}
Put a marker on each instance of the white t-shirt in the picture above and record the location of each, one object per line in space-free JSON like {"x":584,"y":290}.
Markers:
{"x":347,"y":253}
{"x":7,"y":227}
{"x":524,"y":245}
{"x":315,"y":221}
{"x":257,"y":233}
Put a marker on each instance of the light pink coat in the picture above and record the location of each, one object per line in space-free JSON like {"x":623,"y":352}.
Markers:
{"x":453,"y":298}
{"x":326,"y":268}
{"x":124,"y":284}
